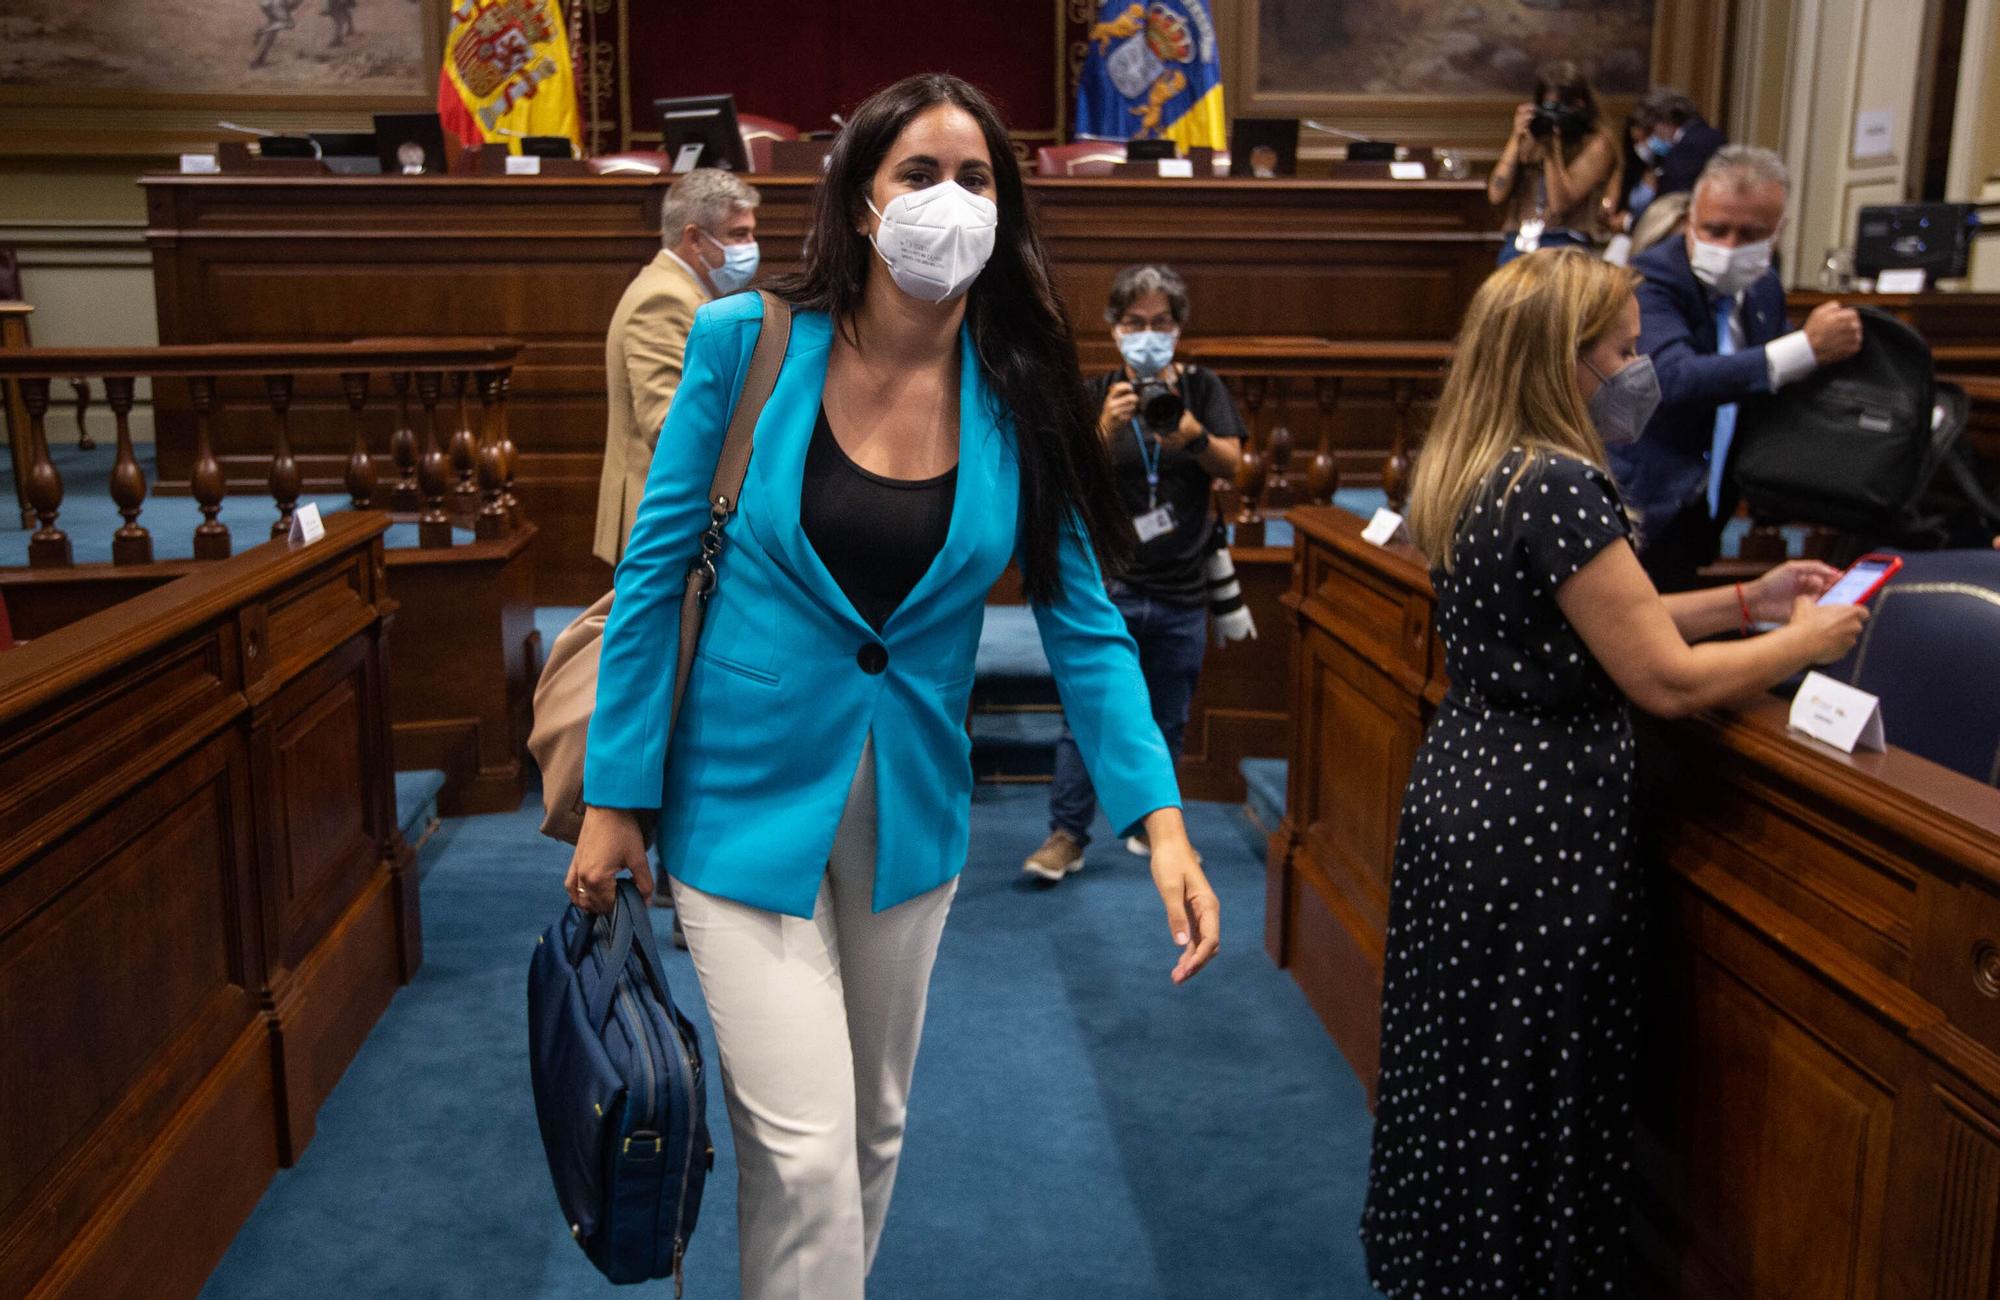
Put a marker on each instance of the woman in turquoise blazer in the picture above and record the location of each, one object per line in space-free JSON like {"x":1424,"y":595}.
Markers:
{"x":813,"y":804}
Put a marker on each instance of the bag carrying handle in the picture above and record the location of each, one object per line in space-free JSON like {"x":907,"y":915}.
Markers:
{"x":631,"y":932}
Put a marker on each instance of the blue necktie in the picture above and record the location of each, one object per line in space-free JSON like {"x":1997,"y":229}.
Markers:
{"x":1725,"y":416}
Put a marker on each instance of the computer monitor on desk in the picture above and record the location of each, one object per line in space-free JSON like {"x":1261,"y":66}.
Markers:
{"x":701,"y":131}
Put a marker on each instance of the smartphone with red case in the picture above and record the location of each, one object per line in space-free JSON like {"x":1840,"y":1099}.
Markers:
{"x":1863,"y":579}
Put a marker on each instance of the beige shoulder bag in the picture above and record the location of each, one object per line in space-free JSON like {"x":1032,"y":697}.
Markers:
{"x":567,"y":690}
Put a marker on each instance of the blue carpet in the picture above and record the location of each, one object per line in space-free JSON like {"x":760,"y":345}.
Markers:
{"x":90,"y":516}
{"x":1079,"y":1126}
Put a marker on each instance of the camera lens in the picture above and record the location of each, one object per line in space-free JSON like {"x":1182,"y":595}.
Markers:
{"x":1160,"y":407}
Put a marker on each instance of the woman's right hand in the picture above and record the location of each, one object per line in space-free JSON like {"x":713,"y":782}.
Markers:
{"x":610,"y":842}
{"x":1829,"y":631}
{"x":1120,"y":400}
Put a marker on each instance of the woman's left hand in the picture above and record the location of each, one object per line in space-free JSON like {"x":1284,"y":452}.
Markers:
{"x":1188,"y":430}
{"x":1194,"y":913}
{"x":1771,"y":597}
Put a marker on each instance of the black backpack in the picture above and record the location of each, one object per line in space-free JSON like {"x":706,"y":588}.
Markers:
{"x":1848,"y":447}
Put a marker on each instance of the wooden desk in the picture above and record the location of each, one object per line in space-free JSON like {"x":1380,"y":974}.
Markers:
{"x":205,"y":905}
{"x":1822,"y":1116}
{"x":302,"y":259}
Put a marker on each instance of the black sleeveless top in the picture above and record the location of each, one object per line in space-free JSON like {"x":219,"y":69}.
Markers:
{"x":877,"y":536}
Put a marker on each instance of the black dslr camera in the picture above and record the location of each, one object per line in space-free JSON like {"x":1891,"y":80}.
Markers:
{"x":1565,"y":120}
{"x":1160,"y":407}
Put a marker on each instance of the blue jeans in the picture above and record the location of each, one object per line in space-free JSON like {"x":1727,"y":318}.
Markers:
{"x":1172,"y":640}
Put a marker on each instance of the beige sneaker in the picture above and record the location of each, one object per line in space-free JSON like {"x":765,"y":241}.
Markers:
{"x":1059,"y":855}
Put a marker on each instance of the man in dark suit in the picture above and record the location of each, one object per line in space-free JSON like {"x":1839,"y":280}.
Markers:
{"x":1712,"y":318}
{"x":1681,"y":142}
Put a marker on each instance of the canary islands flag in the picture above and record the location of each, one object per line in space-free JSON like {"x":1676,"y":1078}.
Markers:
{"x":1152,"y":72}
{"x":507,"y":64}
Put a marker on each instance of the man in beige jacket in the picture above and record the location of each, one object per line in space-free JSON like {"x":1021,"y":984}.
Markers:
{"x":708,"y":237}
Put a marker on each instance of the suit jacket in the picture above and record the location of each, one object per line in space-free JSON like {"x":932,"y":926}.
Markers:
{"x":1668,"y":466}
{"x":642,"y":368}
{"x":790,"y":680}
{"x":1682,"y":166}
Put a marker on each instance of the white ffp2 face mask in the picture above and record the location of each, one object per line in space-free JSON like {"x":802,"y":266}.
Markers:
{"x":1729,"y":271}
{"x":936,"y":240}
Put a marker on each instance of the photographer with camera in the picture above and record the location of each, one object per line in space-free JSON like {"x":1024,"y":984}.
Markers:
{"x":1170,"y":430}
{"x":1560,"y":164}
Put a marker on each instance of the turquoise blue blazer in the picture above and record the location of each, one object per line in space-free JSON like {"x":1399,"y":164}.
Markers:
{"x":779,"y":703}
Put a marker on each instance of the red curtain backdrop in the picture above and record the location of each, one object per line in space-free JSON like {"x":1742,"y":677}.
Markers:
{"x":799,"y":63}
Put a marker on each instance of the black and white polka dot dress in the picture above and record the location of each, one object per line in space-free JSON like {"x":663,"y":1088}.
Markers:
{"x":1503,"y":1123}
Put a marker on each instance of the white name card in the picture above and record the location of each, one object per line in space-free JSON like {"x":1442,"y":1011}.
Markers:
{"x":524,"y":164}
{"x":307,"y":527}
{"x":1838,"y":714}
{"x":199,"y":164}
{"x":1383,"y":528}
{"x":1406,"y":171}
{"x":1875,"y":133}
{"x":1903,"y":279}
{"x":1177,"y":169}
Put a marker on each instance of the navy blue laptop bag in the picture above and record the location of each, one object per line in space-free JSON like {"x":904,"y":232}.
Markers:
{"x":618,"y":1090}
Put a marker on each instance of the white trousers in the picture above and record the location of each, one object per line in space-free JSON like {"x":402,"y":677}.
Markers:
{"x":817,"y":1024}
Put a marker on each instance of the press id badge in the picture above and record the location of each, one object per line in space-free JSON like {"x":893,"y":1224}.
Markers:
{"x":1154,"y":523}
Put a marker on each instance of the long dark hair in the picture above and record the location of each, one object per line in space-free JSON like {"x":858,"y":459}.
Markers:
{"x":1020,"y":332}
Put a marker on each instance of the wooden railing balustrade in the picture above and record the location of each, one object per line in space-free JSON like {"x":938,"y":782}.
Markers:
{"x":449,"y":475}
{"x":1336,"y":378}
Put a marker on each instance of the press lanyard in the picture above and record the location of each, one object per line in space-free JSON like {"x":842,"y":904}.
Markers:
{"x":1151,"y":460}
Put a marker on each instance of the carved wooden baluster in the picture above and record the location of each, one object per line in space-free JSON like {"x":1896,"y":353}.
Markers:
{"x":211,"y":536}
{"x":492,"y":521}
{"x":131,"y":544}
{"x":1323,"y":473}
{"x":360,"y":465}
{"x":49,"y":545}
{"x":1252,"y":469}
{"x":403,"y":448}
{"x":285,"y":477}
{"x":464,"y":454}
{"x":1396,"y":469}
{"x":509,"y":454}
{"x":80,"y":390}
{"x":433,"y":471}
{"x":1278,"y":450}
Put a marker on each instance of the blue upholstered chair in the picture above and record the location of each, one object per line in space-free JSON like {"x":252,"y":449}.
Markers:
{"x":1931,"y":653}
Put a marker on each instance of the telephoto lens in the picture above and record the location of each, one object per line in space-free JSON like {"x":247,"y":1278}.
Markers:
{"x":1160,"y":407}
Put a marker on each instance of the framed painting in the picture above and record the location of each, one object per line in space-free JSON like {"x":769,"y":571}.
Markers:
{"x":152,"y":76}
{"x":1449,"y":71}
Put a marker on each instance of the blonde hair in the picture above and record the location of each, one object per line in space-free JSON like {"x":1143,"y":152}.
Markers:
{"x":1513,"y":382}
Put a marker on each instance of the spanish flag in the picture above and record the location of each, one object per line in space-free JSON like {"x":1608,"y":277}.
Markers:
{"x":507,"y":65}
{"x":1152,"y":71}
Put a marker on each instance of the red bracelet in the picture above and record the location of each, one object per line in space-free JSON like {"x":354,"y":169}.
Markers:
{"x":1743,"y":605}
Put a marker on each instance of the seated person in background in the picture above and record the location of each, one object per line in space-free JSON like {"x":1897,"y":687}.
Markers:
{"x":1163,"y":476}
{"x":1559,"y":166}
{"x":708,"y":233}
{"x":1636,"y":182}
{"x":1715,"y":328}
{"x":1664,"y":218}
{"x":1682,"y":141}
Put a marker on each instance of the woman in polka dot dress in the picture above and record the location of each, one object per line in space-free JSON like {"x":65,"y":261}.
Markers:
{"x":1511,"y":986}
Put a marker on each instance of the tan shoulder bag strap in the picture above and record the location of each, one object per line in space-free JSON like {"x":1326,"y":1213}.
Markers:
{"x":726,"y":490}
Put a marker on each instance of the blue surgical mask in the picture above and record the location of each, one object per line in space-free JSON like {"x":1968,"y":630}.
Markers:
{"x":1148,"y":352}
{"x":1659,"y":148}
{"x":739,"y":265}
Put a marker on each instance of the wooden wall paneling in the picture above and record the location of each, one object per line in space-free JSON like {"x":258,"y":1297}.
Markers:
{"x":332,"y":259}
